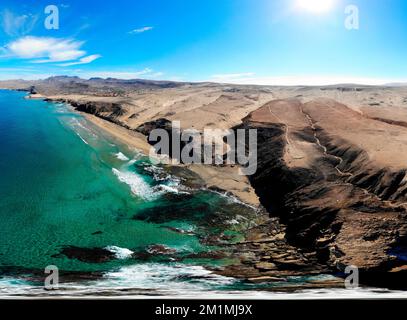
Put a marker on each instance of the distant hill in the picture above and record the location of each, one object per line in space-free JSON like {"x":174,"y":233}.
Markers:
{"x":396,"y":84}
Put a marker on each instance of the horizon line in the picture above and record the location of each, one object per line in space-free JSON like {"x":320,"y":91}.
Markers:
{"x":290,"y":81}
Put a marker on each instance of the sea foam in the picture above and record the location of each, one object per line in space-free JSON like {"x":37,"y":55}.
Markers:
{"x":120,"y":253}
{"x":77,"y":133}
{"x":174,"y":278}
{"x":136,"y":183}
{"x":121,"y":156}
{"x":141,"y":188}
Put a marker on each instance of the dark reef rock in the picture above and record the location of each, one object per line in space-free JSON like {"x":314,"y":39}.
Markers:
{"x":189,"y":178}
{"x":89,"y":255}
{"x":160,"y":249}
{"x":180,"y":231}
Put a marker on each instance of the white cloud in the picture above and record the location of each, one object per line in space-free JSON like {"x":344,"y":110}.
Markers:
{"x":42,"y":47}
{"x":84,"y":60}
{"x":58,"y":56}
{"x":17,"y":25}
{"x":141,"y":30}
{"x":47,"y":49}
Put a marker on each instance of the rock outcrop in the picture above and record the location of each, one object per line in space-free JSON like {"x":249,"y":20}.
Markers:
{"x":337,"y":180}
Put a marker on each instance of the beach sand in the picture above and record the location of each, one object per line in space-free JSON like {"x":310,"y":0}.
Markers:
{"x":132,"y":139}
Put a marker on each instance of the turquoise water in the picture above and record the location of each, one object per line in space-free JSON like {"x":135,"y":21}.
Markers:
{"x":64,"y":183}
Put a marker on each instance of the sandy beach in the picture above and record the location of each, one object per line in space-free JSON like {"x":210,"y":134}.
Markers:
{"x":131,"y":138}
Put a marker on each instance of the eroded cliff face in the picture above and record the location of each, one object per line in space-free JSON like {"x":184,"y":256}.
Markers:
{"x":109,"y":111}
{"x":337,"y":180}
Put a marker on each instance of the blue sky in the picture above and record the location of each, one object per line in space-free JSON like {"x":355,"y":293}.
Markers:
{"x":241,"y":41}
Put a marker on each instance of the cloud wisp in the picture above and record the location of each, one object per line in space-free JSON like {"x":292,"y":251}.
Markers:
{"x":84,"y":60}
{"x":17,"y":25}
{"x":141,"y":30}
{"x":47,"y":49}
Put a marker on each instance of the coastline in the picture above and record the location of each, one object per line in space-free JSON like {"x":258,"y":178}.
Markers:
{"x":130,"y":138}
{"x":219,"y":178}
{"x":225,"y":178}
{"x":327,"y":173}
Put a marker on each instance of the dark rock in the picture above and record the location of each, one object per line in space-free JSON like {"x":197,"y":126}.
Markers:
{"x":33,"y":90}
{"x":216,"y":255}
{"x":89,"y":255}
{"x":159,"y":249}
{"x":181,"y":231}
{"x":189,"y":178}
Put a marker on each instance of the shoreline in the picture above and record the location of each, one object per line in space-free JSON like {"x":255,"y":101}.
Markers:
{"x":219,"y":178}
{"x":130,"y":138}
{"x":331,"y":170}
{"x":225,"y":178}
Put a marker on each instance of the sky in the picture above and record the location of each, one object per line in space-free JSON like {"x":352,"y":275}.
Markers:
{"x":281,"y":42}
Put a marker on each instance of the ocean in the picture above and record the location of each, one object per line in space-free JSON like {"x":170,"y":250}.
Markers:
{"x":68,"y":190}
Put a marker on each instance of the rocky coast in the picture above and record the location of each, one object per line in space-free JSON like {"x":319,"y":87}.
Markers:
{"x":330,"y":189}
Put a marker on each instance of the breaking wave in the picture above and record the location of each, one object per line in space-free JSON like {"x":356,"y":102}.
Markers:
{"x":121,"y":156}
{"x":176,"y":280}
{"x":77,"y":133}
{"x":136,"y":183}
{"x":141,"y":188}
{"x":120,"y":253}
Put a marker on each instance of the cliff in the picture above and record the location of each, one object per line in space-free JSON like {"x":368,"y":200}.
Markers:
{"x":337,"y":179}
